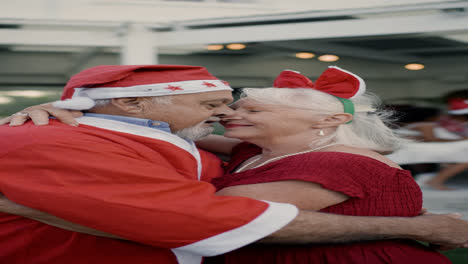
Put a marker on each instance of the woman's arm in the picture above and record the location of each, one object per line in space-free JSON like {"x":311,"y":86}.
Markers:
{"x":428,"y":135}
{"x":444,"y":231}
{"x":305,"y":195}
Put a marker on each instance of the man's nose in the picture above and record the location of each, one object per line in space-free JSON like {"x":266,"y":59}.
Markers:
{"x":224,"y":111}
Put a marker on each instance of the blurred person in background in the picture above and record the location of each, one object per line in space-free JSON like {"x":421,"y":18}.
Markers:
{"x":410,"y":116}
{"x":450,"y":127}
{"x":429,"y":124}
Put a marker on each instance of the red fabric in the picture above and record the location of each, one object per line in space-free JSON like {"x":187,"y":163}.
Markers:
{"x":375,"y":189}
{"x":339,"y":83}
{"x":135,"y":187}
{"x":291,"y":79}
{"x":334,"y":81}
{"x":24,"y":241}
{"x":131,"y":75}
{"x":458,"y":104}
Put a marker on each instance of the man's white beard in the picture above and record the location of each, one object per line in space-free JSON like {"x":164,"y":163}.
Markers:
{"x":195,"y":132}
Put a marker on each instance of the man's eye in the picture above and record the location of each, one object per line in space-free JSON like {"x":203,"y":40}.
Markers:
{"x":253,"y":111}
{"x":211,"y":106}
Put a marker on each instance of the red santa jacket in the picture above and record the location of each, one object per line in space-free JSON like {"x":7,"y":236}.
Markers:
{"x":139,"y":183}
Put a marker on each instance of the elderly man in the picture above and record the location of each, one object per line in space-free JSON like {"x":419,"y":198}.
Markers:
{"x":131,"y":169}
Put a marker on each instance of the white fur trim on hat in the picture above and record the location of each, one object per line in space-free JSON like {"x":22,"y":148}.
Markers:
{"x":83,"y":98}
{"x":76,"y":103}
{"x":458,"y":111}
{"x":157,"y":89}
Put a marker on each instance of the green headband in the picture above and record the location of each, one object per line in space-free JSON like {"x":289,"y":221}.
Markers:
{"x":347,"y":105}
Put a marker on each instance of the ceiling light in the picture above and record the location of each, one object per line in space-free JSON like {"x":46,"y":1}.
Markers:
{"x":305,"y":55}
{"x":235,"y":46}
{"x":328,"y":58}
{"x":215,"y":47}
{"x":5,"y":100}
{"x":414,"y":66}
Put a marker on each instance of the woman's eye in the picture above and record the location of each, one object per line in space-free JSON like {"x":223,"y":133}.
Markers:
{"x":253,"y":111}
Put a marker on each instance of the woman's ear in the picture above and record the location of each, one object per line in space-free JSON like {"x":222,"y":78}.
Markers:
{"x":131,"y":105}
{"x":334,"y":120}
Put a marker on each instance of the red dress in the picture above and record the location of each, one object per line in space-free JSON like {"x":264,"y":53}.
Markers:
{"x":374,"y":188}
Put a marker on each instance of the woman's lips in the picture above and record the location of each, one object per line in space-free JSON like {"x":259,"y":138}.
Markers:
{"x":234,"y":125}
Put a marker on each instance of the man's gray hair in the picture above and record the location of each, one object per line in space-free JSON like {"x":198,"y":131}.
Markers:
{"x":367,"y":130}
{"x":156,"y":99}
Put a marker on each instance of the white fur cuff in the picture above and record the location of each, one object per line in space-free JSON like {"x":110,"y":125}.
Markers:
{"x":76,"y":103}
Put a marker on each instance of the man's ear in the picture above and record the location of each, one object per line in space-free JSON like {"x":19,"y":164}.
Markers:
{"x":334,"y":120}
{"x":131,"y":105}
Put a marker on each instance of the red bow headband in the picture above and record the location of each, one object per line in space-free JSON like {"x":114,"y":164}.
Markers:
{"x":342,"y":84}
{"x":334,"y":81}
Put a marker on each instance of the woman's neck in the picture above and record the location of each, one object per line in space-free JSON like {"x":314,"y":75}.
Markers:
{"x":284,"y":146}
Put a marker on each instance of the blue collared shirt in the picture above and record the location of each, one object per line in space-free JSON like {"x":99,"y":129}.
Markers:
{"x":135,"y":121}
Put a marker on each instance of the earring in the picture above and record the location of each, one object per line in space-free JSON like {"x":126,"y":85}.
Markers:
{"x":321,"y":133}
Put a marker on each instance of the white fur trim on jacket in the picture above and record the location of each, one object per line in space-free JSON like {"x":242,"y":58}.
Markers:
{"x":271,"y":220}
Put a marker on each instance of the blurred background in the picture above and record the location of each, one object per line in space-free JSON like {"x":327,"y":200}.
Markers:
{"x":407,"y":51}
{"x":412,"y":53}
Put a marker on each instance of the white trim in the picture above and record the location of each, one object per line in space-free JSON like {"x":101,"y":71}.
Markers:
{"x":458,"y":111}
{"x":77,"y":103}
{"x":294,"y":71}
{"x":157,"y":89}
{"x":271,"y":220}
{"x":184,"y":257}
{"x":362,"y":83}
{"x":196,"y":154}
{"x":123,"y":127}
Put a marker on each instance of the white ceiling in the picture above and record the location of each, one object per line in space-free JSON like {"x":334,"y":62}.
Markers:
{"x":166,"y":12}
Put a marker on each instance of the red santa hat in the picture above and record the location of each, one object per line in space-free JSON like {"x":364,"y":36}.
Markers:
{"x":458,"y":106}
{"x":117,"y":81}
{"x":340,"y":83}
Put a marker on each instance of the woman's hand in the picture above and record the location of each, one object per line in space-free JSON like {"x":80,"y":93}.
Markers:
{"x":39,"y":114}
{"x":443,"y":231}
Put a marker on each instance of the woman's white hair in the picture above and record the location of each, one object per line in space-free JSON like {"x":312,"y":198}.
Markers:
{"x":367,"y":130}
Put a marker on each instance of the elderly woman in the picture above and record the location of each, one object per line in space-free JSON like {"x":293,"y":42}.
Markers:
{"x":300,"y":147}
{"x":317,"y":146}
